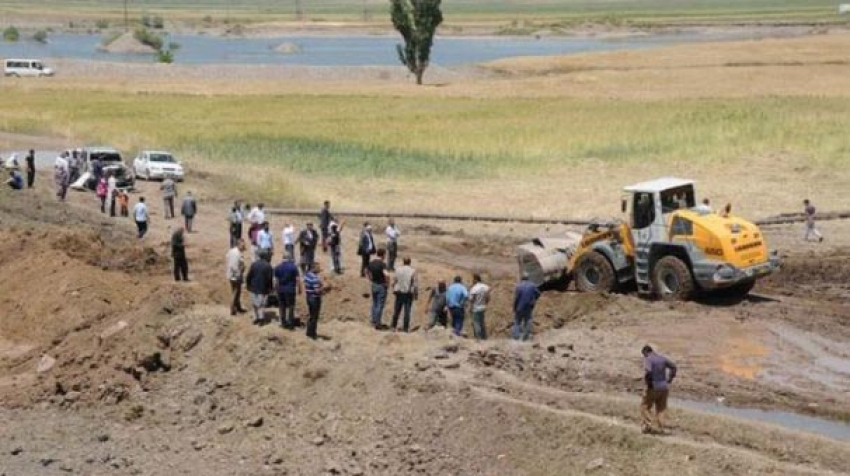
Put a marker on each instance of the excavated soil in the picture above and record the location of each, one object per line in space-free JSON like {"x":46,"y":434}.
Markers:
{"x":109,"y":367}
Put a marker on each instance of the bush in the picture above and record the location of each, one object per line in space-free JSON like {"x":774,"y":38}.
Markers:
{"x":165,"y":56}
{"x":11,"y":34}
{"x":148,"y":38}
{"x":158,"y":23}
{"x":102,"y":24}
{"x":40,"y":36}
{"x":146,"y":21}
{"x":207,"y":19}
{"x":174,"y":46}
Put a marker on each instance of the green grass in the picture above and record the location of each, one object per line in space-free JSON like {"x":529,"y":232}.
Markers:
{"x":357,"y":136}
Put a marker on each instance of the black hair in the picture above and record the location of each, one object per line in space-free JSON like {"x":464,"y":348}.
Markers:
{"x":646,"y":350}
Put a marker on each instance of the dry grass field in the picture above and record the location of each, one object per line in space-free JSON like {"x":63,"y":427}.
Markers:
{"x":760,"y":124}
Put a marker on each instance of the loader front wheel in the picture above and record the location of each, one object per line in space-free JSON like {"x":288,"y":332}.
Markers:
{"x":594,"y":274}
{"x":672,"y":279}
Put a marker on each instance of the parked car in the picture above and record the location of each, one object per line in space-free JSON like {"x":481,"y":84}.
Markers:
{"x":152,"y":164}
{"x":26,"y":67}
{"x":113,"y":164}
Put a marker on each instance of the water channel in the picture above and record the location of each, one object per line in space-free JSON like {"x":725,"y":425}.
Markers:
{"x":348,"y":50}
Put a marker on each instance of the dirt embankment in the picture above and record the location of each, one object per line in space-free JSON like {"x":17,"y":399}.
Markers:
{"x":114,"y":369}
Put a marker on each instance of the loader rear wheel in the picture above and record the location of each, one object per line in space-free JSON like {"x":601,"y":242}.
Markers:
{"x":594,"y":274}
{"x":672,"y":279}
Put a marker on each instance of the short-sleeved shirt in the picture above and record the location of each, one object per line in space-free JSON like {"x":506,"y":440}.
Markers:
{"x":456,"y":295}
{"x":656,"y":365}
{"x":140,"y":212}
{"x":286,"y":274}
{"x":377,"y":267}
{"x":810,"y":214}
{"x":480,"y":296}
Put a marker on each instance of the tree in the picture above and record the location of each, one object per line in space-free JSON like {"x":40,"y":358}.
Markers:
{"x":417,"y":21}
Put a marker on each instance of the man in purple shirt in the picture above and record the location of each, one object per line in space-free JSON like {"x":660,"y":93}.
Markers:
{"x":657,"y":387}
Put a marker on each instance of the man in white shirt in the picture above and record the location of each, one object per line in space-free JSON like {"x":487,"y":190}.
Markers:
{"x":392,"y":243}
{"x":256,"y":217}
{"x":140,"y":214}
{"x":289,"y":240}
{"x":479,"y":297}
{"x":265,"y":242}
{"x":235,"y":275}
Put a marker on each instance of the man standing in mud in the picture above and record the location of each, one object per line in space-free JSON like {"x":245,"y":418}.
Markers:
{"x":235,"y":275}
{"x":325,"y":219}
{"x":525,"y":298}
{"x":178,"y":253}
{"x":313,"y":289}
{"x":30,"y":168}
{"x":188,"y":209}
{"x":456,"y":297}
{"x":169,"y":191}
{"x":366,"y":248}
{"x":260,"y":281}
{"x":308,"y":239}
{"x":658,"y":383}
{"x":377,"y":273}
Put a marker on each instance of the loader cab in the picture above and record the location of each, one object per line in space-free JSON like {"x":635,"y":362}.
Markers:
{"x":651,"y":203}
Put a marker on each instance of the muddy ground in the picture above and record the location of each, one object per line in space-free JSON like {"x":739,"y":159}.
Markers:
{"x":109,"y":367}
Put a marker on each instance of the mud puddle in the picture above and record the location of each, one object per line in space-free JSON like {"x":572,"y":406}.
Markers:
{"x":792,"y":421}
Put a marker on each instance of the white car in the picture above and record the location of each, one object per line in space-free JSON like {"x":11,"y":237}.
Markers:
{"x":26,"y":67}
{"x":152,"y":164}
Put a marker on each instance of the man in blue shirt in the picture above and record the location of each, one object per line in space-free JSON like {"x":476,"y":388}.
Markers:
{"x":313,"y":289}
{"x":456,"y":297}
{"x":288,"y":283}
{"x":16,"y":181}
{"x":525,"y":297}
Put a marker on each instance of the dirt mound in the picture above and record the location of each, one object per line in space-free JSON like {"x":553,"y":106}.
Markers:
{"x":127,"y":44}
{"x":813,"y":274}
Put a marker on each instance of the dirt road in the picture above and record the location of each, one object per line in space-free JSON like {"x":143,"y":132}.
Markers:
{"x":109,"y":367}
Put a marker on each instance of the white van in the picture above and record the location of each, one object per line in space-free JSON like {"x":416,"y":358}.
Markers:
{"x":26,"y":67}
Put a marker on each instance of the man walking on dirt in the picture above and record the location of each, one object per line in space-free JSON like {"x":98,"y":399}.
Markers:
{"x":140,"y":215}
{"x":260,"y":282}
{"x":811,"y":229}
{"x":61,"y":177}
{"x":235,"y":275}
{"x":188,"y":209}
{"x":406,"y":290}
{"x":377,"y":273}
{"x":178,"y":253}
{"x":456,"y":297}
{"x":657,"y":388}
{"x":307,"y":240}
{"x":325,"y":219}
{"x":525,"y":298}
{"x":30,"y":168}
{"x":392,"y":235}
{"x":479,"y":297}
{"x":169,"y":191}
{"x":288,"y":284}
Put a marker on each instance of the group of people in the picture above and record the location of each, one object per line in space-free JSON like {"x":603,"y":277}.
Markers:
{"x":447,"y":306}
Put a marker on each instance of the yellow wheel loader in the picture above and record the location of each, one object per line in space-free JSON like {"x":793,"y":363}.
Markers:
{"x":668,"y":247}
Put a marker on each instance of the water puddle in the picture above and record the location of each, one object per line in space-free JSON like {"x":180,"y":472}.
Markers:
{"x":792,"y":421}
